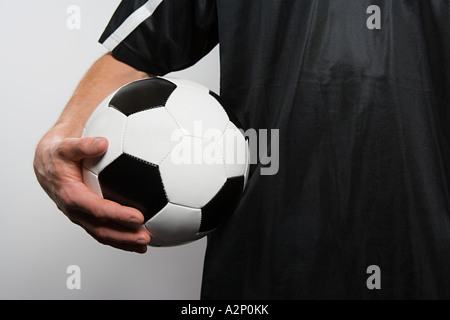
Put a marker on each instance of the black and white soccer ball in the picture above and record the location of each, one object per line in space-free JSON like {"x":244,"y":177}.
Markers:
{"x":174,"y":154}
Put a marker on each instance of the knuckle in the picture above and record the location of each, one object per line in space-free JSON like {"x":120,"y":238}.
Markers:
{"x":64,"y":194}
{"x":60,"y":149}
{"x":67,"y":149}
{"x":101,"y":234}
{"x":104,"y":211}
{"x":84,"y":145}
{"x":98,"y":212}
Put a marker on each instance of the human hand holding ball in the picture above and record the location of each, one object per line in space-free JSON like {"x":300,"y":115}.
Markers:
{"x":152,"y":162}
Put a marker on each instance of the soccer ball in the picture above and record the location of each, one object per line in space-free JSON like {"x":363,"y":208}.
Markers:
{"x":174,"y":154}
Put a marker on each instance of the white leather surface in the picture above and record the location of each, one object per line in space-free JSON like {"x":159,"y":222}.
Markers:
{"x":233,"y":147}
{"x":103,"y":105}
{"x":189,"y":183}
{"x":174,"y":224}
{"x":108,"y":123}
{"x":91,"y":181}
{"x":148,"y":135}
{"x":196,"y":112}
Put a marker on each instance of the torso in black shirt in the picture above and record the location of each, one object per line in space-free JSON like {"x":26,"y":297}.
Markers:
{"x":364,"y":167}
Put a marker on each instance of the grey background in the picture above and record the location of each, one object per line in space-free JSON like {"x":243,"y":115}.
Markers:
{"x":42,"y":62}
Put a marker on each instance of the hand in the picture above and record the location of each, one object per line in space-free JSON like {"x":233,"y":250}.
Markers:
{"x":57,"y":165}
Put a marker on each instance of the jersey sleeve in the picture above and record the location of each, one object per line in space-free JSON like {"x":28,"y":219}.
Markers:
{"x":161,"y":36}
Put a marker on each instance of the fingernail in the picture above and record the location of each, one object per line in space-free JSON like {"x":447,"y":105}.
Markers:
{"x":141,"y":240}
{"x":97,"y":141}
{"x":135,"y":220}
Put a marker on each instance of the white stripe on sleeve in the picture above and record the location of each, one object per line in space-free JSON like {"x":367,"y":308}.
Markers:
{"x":131,"y":23}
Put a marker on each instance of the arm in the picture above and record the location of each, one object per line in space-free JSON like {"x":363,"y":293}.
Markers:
{"x":59,"y":154}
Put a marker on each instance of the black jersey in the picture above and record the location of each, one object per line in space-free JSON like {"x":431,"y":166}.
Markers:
{"x":359,"y":91}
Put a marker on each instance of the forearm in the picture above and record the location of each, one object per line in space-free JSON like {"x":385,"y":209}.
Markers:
{"x":104,"y":77}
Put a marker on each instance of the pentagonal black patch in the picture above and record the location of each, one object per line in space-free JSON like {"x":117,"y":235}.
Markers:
{"x":220,"y":208}
{"x":142,"y":95}
{"x":134,"y":183}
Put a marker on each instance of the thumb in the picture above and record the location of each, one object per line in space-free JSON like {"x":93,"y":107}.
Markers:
{"x":76,"y":149}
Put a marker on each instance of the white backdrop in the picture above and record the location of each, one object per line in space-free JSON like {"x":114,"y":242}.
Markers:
{"x":45,"y":51}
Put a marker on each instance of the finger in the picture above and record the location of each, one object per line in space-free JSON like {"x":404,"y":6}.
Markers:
{"x":79,"y":197}
{"x":76,"y":149}
{"x":109,"y":233}
{"x":139,"y":248}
